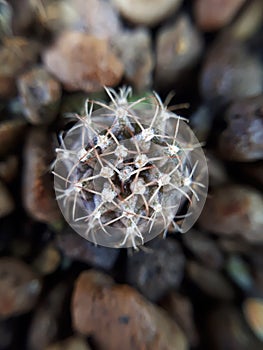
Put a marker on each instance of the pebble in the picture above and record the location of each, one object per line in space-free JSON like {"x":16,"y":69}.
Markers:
{"x":19,"y":287}
{"x":11,"y":133}
{"x":40,"y":94}
{"x":181,"y":310}
{"x":226,"y":329}
{"x":137,"y":57}
{"x":48,"y":318}
{"x":147,"y":12}
{"x":72,"y":343}
{"x":97,"y":17}
{"x":211,"y":282}
{"x":178,"y":49}
{"x":243,"y":138}
{"x":38,"y":194}
{"x":75,"y":247}
{"x":130,"y":320}
{"x":47,"y":261}
{"x":204,"y":248}
{"x":96,"y":64}
{"x":16,"y":55}
{"x":6,"y":14}
{"x":7,"y":204}
{"x":214,"y":14}
{"x":253,"y":311}
{"x":239,"y":272}
{"x":234,"y":209}
{"x":9,"y":168}
{"x":157,"y":271}
{"x":229,"y":72}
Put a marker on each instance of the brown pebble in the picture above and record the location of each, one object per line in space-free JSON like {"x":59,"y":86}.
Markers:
{"x":19,"y":287}
{"x":214,"y":14}
{"x":100,"y":306}
{"x":11,"y":133}
{"x":243,"y":138}
{"x":72,"y":343}
{"x":7,"y":204}
{"x":211,"y":282}
{"x":83,"y":62}
{"x":40,"y":94}
{"x":234,"y":209}
{"x":179,"y":47}
{"x":8,"y":168}
{"x":38,"y":194}
{"x":16,"y":54}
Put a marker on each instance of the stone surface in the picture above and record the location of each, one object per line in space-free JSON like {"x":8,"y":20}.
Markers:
{"x":157,"y":271}
{"x":40,"y":94}
{"x":48,"y":260}
{"x":234,"y":209}
{"x":214,"y":14}
{"x":77,"y":248}
{"x":180,"y":309}
{"x":38,"y":194}
{"x":97,"y":17}
{"x":16,"y":54}
{"x":19,"y":287}
{"x":83,"y":62}
{"x":72,"y":343}
{"x":147,"y":12}
{"x":7,"y":204}
{"x":243,"y":138}
{"x":11,"y":133}
{"x":229,"y":72}
{"x":49,"y":318}
{"x":211,"y":282}
{"x":8,"y":168}
{"x":226,"y":330}
{"x":204,"y":248}
{"x":239,"y":272}
{"x":137,"y":57}
{"x":100,"y":306}
{"x":179,"y":47}
{"x":253,"y":311}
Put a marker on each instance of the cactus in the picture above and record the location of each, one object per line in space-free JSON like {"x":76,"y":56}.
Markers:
{"x":126,"y":171}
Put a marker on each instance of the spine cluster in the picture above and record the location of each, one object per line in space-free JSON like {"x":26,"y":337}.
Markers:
{"x":126,"y":171}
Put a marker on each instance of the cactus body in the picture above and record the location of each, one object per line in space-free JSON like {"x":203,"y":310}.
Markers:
{"x":127,"y":171}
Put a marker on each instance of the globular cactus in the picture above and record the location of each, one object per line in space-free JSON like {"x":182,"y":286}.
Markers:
{"x":126,"y":171}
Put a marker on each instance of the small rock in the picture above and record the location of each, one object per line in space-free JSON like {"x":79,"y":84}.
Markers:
{"x":6,"y":14}
{"x":7,"y":204}
{"x":77,"y":248}
{"x":214,"y":14}
{"x":8,"y":168}
{"x":249,"y":21}
{"x":11,"y":133}
{"x":227,"y":330}
{"x":211,"y":282}
{"x":204,"y":248}
{"x":40,"y":94}
{"x":38,"y":193}
{"x":234,"y":209}
{"x":48,"y":318}
{"x":158,"y":271}
{"x":83,"y":62}
{"x":180,"y":309}
{"x":239,"y":271}
{"x":137,"y":57}
{"x":48,"y":260}
{"x":147,"y":12}
{"x":253,"y":311}
{"x":72,"y":343}
{"x":131,"y":322}
{"x":243,"y":138}
{"x":230,"y":72}
{"x":16,"y":54}
{"x":97,"y":17}
{"x":179,"y":47}
{"x":19,"y":287}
